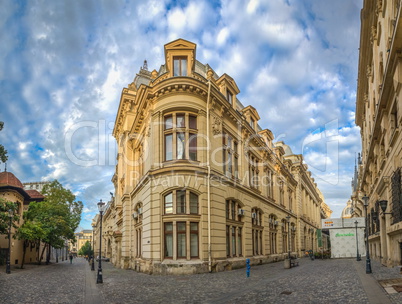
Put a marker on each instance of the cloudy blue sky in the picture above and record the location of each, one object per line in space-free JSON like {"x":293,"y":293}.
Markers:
{"x":63,"y":65}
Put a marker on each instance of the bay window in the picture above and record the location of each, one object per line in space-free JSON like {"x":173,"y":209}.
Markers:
{"x":180,"y":136}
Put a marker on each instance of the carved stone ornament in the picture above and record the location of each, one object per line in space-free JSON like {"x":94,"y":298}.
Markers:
{"x":366,"y":97}
{"x":216,"y":125}
{"x":369,"y":71}
{"x":374,"y":32}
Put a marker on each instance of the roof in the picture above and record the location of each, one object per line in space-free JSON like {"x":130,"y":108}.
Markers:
{"x":9,"y":179}
{"x":34,"y":194}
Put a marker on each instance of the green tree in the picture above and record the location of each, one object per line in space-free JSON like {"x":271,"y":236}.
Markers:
{"x":53,"y":220}
{"x":86,"y":249}
{"x":3,"y":152}
{"x":4,"y":216}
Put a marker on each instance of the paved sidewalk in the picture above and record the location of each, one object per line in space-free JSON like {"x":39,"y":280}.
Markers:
{"x":319,"y":281}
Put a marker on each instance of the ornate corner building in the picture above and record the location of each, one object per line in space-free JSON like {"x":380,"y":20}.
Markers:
{"x":378,"y":114}
{"x":199,"y":185}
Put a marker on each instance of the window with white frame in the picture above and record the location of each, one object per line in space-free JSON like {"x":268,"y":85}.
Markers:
{"x":180,"y":136}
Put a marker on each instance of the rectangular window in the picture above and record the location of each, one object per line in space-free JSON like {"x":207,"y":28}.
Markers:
{"x":180,"y":145}
{"x":181,"y":201}
{"x":229,"y":172}
{"x":227,"y":208}
{"x":252,"y":122}
{"x":239,"y":241}
{"x":236,"y":160}
{"x":233,"y":210}
{"x":227,"y":240}
{"x":169,"y":240}
{"x":181,"y":240}
{"x":169,"y":203}
{"x":229,"y":96}
{"x":168,"y":122}
{"x":194,"y":240}
{"x":168,"y":147}
{"x":234,"y":241}
{"x":193,"y":147}
{"x":193,"y":203}
{"x":180,"y":121}
{"x":179,"y":66}
{"x":192,"y":121}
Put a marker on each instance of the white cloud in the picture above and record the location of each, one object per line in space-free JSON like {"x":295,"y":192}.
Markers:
{"x":295,"y":61}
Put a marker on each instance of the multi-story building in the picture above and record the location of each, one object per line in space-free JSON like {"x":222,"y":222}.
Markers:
{"x":38,"y":186}
{"x":80,"y":239}
{"x":378,"y":114}
{"x":199,"y":185}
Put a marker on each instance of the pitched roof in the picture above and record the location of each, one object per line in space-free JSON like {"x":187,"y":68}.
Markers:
{"x":34,"y":194}
{"x":9,"y":179}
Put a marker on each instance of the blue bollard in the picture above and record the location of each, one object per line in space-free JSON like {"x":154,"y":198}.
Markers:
{"x":248,"y":267}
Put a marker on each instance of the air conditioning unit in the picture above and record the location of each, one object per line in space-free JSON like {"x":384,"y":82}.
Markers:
{"x":254,"y":215}
{"x":139,"y":210}
{"x":241,"y":212}
{"x":276,"y":223}
{"x":135,"y":215}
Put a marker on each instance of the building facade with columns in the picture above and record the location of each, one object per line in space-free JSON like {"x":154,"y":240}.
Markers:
{"x":378,"y":114}
{"x":199,"y":185}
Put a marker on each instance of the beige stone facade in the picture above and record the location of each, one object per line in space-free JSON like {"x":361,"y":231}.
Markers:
{"x":199,"y":185}
{"x":80,"y":239}
{"x":378,"y":114}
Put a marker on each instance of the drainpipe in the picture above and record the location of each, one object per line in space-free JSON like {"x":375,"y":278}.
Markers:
{"x":209,"y":183}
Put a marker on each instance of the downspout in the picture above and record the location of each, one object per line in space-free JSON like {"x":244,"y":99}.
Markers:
{"x":209,"y":182}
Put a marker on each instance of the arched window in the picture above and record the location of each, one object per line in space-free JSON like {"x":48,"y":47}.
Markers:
{"x":181,"y":229}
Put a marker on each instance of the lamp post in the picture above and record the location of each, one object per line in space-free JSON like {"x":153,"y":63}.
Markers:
{"x":93,"y":248}
{"x":288,"y":220}
{"x":101,"y":208}
{"x":10,"y":215}
{"x":368,"y":262}
{"x":357,"y":244}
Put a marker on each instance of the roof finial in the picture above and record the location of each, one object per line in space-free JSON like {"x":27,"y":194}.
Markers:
{"x":145,"y":66}
{"x":5,"y":167}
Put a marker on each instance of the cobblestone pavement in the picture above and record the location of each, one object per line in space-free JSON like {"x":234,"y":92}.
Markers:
{"x":54,"y":283}
{"x":319,"y":281}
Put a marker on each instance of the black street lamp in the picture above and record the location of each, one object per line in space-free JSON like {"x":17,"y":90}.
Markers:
{"x":368,"y":262}
{"x":288,"y":220}
{"x":93,"y":248}
{"x":357,"y":244}
{"x":10,"y":215}
{"x":99,"y":278}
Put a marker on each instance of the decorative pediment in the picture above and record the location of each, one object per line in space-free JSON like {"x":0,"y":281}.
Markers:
{"x":180,"y":44}
{"x":228,"y":82}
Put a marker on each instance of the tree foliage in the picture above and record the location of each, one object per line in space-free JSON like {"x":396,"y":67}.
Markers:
{"x":3,"y":151}
{"x":4,"y":217}
{"x":53,"y":220}
{"x":86,"y":249}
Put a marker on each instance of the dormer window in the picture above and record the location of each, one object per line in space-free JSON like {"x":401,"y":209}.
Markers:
{"x":180,"y":66}
{"x":229,"y":96}
{"x":252,"y":122}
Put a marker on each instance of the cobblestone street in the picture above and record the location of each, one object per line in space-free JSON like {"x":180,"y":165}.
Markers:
{"x":319,"y":281}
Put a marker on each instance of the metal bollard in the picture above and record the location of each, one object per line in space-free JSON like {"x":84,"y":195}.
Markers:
{"x":248,"y":267}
